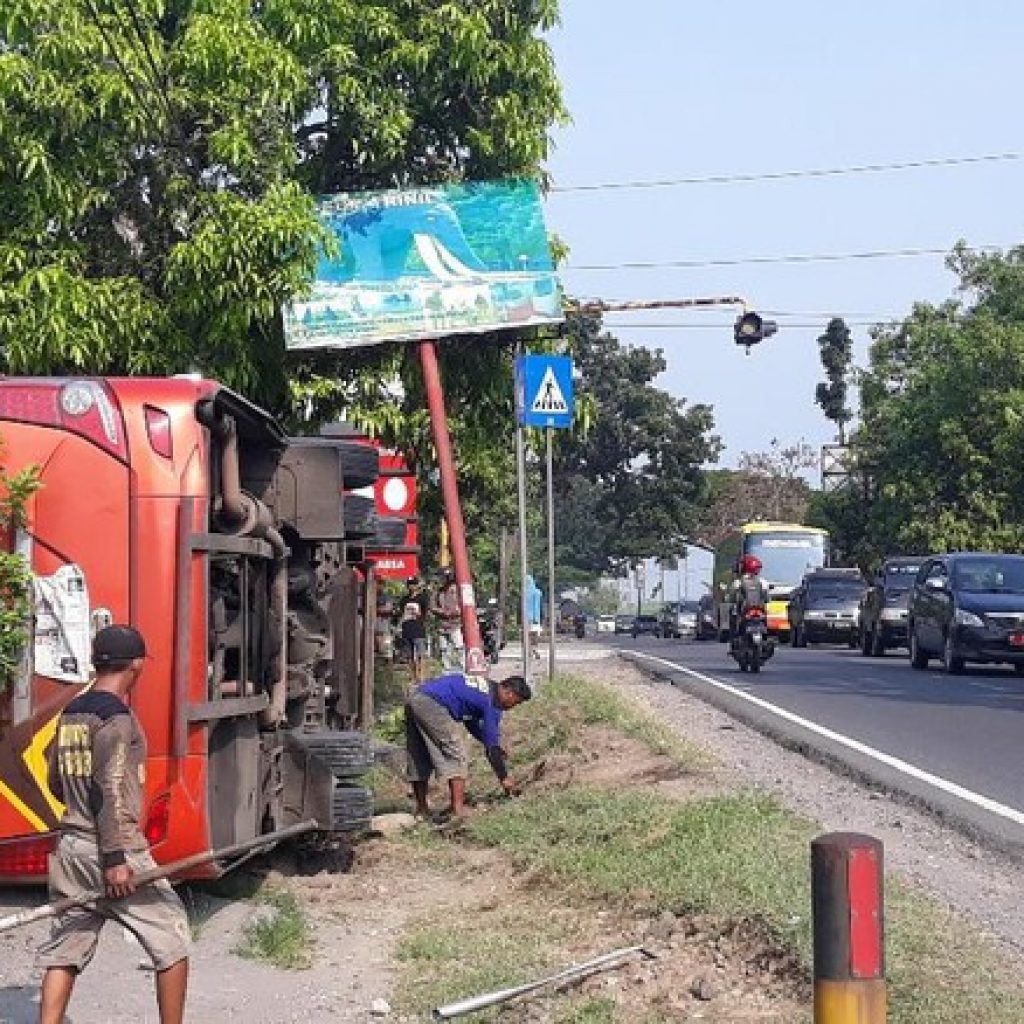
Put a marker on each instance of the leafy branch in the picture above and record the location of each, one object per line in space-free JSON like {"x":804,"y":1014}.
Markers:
{"x":15,"y":575}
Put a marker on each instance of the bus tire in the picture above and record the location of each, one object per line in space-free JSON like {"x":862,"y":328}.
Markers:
{"x":351,"y":808}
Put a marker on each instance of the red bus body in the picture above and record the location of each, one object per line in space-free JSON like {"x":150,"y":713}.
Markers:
{"x":134,"y":489}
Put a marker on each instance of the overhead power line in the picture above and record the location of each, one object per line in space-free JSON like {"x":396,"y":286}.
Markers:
{"x":811,"y":172}
{"x":819,"y":257}
{"x":722,"y":325}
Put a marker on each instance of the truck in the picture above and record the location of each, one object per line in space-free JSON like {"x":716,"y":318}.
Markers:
{"x":183,"y":509}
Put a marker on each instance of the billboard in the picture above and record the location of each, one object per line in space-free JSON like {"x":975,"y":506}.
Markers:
{"x":428,"y":262}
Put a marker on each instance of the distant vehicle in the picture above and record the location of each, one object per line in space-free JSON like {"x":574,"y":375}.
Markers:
{"x":883,"y":608}
{"x":825,"y":608}
{"x":707,"y":624}
{"x":678,"y":619}
{"x":968,"y":607}
{"x":645,"y":624}
{"x":787,"y":552}
{"x":623,"y":623}
{"x":605,"y":624}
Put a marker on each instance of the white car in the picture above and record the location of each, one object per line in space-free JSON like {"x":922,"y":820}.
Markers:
{"x":606,"y":624}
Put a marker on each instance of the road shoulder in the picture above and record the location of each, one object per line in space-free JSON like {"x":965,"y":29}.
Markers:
{"x":977,"y":882}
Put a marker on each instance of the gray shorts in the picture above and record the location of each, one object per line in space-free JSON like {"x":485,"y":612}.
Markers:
{"x":433,"y":741}
{"x":153,"y":914}
{"x":416,"y":648}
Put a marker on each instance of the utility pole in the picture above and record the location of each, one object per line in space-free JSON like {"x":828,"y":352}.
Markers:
{"x":551,"y":553}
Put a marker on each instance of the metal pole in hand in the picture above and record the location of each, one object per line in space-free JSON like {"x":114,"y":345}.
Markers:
{"x":551,"y":553}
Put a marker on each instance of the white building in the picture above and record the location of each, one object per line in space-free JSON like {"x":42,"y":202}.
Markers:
{"x":658,"y":584}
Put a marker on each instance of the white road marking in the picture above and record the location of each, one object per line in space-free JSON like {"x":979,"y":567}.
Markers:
{"x":984,"y":802}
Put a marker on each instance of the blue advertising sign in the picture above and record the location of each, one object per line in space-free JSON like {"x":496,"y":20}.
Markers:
{"x":428,"y":262}
{"x":544,"y":391}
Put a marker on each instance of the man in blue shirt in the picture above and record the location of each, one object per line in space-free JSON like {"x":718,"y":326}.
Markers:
{"x":433,"y":740}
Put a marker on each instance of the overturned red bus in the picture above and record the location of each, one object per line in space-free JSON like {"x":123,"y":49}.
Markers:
{"x":181,"y":508}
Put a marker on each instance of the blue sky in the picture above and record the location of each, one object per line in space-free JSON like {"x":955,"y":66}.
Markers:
{"x":665,"y":89}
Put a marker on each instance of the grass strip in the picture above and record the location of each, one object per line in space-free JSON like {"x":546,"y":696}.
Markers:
{"x":745,"y":855}
{"x":450,"y":959}
{"x":734,"y":856}
{"x":551,"y":722}
{"x":281,"y":936}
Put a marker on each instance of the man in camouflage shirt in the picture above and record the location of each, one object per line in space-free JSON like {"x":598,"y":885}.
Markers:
{"x":97,"y":770}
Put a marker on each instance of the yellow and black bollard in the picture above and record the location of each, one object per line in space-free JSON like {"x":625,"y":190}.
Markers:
{"x":847,"y":882}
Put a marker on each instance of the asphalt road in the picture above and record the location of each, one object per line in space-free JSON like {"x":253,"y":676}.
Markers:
{"x":966,"y":730}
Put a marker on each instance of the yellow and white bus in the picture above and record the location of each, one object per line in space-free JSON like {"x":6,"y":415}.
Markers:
{"x":787,"y":552}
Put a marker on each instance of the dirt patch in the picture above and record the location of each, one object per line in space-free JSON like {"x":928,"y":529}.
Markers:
{"x":357,"y":919}
{"x":601,"y":756}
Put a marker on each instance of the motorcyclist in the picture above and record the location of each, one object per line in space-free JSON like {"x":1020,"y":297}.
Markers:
{"x":748,"y":591}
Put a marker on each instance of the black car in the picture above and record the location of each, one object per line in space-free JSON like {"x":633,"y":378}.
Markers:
{"x":678,"y":619}
{"x":646,"y":624}
{"x":825,"y":608}
{"x":968,"y":607}
{"x":623,"y":623}
{"x":707,"y":618}
{"x":883,"y":608}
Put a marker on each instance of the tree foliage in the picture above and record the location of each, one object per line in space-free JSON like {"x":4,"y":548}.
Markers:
{"x":767,"y":485}
{"x":157,"y":158}
{"x":630,"y":486}
{"x":832,"y":394}
{"x":943,"y":418}
{"x":15,"y":578}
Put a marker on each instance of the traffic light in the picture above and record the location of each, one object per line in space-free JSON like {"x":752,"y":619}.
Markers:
{"x":752,"y":328}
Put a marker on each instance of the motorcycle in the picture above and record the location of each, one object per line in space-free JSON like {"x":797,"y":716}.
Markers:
{"x":752,"y":646}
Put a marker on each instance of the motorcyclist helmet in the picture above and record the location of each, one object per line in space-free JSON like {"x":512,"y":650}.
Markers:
{"x":750,"y":565}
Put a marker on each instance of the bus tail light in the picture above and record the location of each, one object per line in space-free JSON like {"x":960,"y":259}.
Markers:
{"x":84,"y":407}
{"x":28,"y":857}
{"x":158,"y":820}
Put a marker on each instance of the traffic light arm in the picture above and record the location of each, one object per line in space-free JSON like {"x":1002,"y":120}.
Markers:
{"x":750,"y":327}
{"x":598,"y":306}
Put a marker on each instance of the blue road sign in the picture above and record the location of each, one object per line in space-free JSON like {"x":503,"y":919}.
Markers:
{"x":544,"y":394}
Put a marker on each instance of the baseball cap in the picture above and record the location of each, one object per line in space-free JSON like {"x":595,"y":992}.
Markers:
{"x":117,"y":643}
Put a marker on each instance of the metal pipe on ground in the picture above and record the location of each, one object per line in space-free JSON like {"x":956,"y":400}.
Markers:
{"x":143,"y":878}
{"x":847,"y":883}
{"x":570,"y":975}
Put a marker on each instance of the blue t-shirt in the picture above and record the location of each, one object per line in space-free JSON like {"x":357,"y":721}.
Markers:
{"x":469,"y":703}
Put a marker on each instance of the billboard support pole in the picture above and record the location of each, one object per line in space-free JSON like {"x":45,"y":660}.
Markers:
{"x":475,"y":662}
{"x":524,"y":547}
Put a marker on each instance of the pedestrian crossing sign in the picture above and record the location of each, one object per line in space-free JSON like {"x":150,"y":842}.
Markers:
{"x":544,"y":391}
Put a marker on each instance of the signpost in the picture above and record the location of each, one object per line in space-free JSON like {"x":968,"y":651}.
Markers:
{"x":544,"y":398}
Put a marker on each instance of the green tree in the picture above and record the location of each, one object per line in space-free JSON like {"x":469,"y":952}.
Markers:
{"x":157,"y":159}
{"x":832,"y":394}
{"x":628,"y":487}
{"x":15,"y":578}
{"x":943,"y":417}
{"x":767,"y":485}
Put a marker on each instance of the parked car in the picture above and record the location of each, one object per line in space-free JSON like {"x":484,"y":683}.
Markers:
{"x":605,"y":624}
{"x":646,"y":624}
{"x":623,"y":623}
{"x":707,"y":619}
{"x":968,"y":607}
{"x":678,"y":619}
{"x":825,"y":608}
{"x":883,"y":608}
